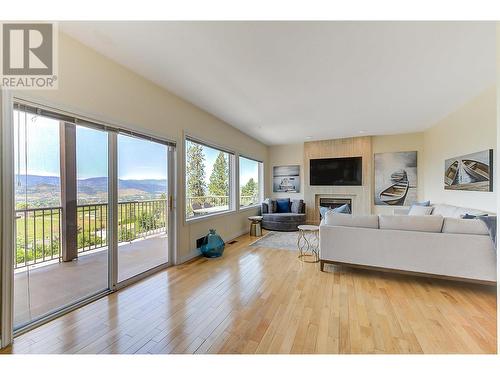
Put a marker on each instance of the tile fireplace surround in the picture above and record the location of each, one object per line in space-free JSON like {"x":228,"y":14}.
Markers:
{"x":360,"y":196}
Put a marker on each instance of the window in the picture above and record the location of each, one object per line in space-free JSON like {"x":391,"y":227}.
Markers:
{"x":250,"y":182}
{"x":208,"y":180}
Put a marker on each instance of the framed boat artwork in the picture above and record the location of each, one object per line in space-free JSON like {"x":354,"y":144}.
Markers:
{"x":395,"y":178}
{"x":472,"y":172}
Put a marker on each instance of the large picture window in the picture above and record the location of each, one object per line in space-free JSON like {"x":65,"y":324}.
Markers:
{"x":208,"y":180}
{"x":250,"y":182}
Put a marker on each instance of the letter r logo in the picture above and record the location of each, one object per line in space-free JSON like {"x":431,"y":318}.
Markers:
{"x":27,"y":49}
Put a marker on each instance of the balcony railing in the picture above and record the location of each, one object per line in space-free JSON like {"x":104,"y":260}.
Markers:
{"x":202,"y":203}
{"x":38,"y":237}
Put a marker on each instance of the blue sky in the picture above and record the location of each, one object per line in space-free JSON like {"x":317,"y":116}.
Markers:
{"x":137,"y":158}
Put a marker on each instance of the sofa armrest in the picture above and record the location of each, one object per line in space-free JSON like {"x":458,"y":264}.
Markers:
{"x":401,"y":210}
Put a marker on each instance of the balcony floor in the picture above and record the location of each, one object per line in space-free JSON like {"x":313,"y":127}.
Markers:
{"x":49,"y":287}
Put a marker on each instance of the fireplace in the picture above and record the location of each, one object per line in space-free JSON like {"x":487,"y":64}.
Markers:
{"x":335,"y":202}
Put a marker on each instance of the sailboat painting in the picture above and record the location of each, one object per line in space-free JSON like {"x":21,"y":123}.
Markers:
{"x":473,"y":172}
{"x":396,"y":178}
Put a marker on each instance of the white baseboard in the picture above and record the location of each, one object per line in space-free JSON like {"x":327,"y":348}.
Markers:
{"x":195,"y":252}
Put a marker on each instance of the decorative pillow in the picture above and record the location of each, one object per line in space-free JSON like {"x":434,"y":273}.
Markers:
{"x":297,"y":206}
{"x":283,"y":205}
{"x":420,"y":210}
{"x":344,"y":209}
{"x":264,"y":206}
{"x":272,"y":206}
{"x":423,"y":203}
{"x":469,"y":216}
{"x":323,"y":211}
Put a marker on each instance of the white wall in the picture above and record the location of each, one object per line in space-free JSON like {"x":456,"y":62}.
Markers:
{"x":471,"y":128}
{"x":291,"y":154}
{"x":92,"y":85}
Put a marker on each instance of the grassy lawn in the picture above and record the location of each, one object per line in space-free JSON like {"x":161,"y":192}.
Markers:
{"x":38,"y":232}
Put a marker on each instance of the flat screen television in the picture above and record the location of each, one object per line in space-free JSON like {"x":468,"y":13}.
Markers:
{"x":335,"y":172}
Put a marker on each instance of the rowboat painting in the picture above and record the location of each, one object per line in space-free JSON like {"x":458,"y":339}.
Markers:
{"x":395,"y":194}
{"x":396,"y":178}
{"x":471,"y":172}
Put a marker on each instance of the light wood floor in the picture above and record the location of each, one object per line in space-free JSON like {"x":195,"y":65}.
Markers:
{"x":258,"y":300}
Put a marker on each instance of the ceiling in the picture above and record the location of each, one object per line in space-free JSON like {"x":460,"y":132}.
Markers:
{"x":287,"y":82}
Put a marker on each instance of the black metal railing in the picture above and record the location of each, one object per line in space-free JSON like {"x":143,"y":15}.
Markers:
{"x":39,"y":234}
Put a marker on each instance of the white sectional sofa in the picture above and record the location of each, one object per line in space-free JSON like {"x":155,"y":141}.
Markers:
{"x":441,"y":244}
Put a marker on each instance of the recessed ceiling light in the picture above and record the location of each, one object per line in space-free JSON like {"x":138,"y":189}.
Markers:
{"x":308,"y":137}
{"x":361,"y":131}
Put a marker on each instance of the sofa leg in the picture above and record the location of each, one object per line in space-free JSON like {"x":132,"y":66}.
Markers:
{"x":322,"y":266}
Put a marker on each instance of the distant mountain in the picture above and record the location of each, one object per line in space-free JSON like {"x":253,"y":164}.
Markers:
{"x":41,"y":190}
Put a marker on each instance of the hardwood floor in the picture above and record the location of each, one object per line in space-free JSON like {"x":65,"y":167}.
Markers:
{"x":258,"y":300}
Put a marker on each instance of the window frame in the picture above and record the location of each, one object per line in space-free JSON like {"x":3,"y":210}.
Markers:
{"x":232,"y":179}
{"x":260,"y":197}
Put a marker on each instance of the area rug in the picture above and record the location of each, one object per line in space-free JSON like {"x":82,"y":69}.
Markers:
{"x":278,"y":240}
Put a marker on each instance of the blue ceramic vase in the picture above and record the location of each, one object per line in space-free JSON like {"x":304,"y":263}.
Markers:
{"x":213,"y":245}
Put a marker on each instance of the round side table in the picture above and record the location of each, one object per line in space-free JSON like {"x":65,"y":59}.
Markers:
{"x":308,"y":243}
{"x":255,"y":226}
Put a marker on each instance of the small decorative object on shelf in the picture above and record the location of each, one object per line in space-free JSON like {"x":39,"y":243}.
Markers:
{"x":213,"y":245}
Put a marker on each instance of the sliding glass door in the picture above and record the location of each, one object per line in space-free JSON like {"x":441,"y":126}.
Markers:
{"x":142,"y":206}
{"x":92,"y":211}
{"x":61,"y":196}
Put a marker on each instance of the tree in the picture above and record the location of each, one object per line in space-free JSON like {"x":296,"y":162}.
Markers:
{"x":250,"y":188}
{"x":195,"y":170}
{"x":219,"y":179}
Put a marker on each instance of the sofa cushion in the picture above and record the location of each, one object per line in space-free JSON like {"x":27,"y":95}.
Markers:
{"x":347,"y":220}
{"x":297,"y":206}
{"x":283,"y":217}
{"x":283,"y":205}
{"x":465,"y":226}
{"x":429,"y":223}
{"x":420,"y":210}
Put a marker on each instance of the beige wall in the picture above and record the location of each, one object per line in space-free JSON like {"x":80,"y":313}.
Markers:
{"x":92,"y":85}
{"x":471,"y":128}
{"x":292,"y":154}
{"x":396,"y":143}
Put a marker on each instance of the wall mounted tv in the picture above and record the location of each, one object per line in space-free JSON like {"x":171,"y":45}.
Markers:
{"x":336,"y":172}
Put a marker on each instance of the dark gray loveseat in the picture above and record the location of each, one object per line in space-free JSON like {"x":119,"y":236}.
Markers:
{"x":283,"y":214}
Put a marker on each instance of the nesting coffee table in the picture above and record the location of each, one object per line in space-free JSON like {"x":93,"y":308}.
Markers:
{"x":308,"y":243}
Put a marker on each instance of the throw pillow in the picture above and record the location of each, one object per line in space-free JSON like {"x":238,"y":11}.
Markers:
{"x":283,"y":205}
{"x":323,"y":211}
{"x":297,"y":206}
{"x":344,"y":209}
{"x":265,"y":206}
{"x":420,"y":210}
{"x":272,"y":206}
{"x":469,"y":216}
{"x":423,"y":203}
